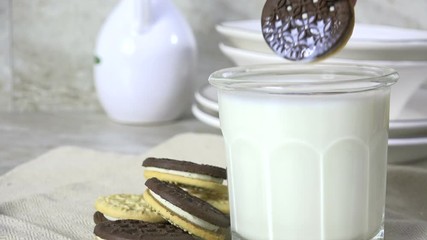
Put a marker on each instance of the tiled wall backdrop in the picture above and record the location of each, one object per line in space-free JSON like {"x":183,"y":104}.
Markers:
{"x":53,"y":42}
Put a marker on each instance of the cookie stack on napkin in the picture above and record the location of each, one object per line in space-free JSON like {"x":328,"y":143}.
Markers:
{"x":183,"y":200}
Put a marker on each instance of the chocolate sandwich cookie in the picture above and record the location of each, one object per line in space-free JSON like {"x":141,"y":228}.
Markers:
{"x":98,"y":217}
{"x":218,"y":200}
{"x":186,"y":211}
{"x":139,"y":230}
{"x":307,"y":29}
{"x":124,"y":206}
{"x":186,"y":173}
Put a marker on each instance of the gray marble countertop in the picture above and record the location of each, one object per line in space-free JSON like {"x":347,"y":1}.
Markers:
{"x":24,"y":136}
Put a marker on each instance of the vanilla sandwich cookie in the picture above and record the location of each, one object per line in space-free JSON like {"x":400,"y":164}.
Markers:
{"x":186,"y":173}
{"x":124,"y":206}
{"x":186,"y":211}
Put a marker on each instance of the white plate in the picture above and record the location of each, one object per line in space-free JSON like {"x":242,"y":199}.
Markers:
{"x":411,"y":123}
{"x":412,"y":73}
{"x":374,"y":42}
{"x":207,"y":97}
{"x":204,"y":117}
{"x":401,"y":150}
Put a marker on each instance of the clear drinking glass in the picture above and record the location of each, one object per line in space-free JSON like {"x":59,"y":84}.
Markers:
{"x":306,"y":149}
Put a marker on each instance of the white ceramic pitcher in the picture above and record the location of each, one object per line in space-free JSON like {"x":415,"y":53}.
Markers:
{"x":145,"y":60}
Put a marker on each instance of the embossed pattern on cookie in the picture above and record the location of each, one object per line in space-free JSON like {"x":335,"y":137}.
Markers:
{"x":186,"y":173}
{"x":307,"y":30}
{"x":126,"y":206}
{"x":187,"y":202}
{"x":185,"y":211}
{"x":134,"y":229}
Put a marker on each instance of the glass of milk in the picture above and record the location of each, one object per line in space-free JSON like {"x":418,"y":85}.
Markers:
{"x":306,"y":149}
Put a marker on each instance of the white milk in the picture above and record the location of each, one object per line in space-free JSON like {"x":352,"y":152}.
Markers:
{"x":306,"y":167}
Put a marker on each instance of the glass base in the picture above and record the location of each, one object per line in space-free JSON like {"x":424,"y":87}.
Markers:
{"x":378,"y":236}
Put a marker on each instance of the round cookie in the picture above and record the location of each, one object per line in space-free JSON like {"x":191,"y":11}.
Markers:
{"x":186,"y":173}
{"x":186,"y":211}
{"x":218,"y":200}
{"x":98,"y":217}
{"x":126,"y":206}
{"x":307,"y":30}
{"x":139,"y":230}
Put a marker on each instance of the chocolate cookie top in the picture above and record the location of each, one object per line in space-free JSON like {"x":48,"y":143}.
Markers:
{"x":134,"y":229}
{"x":98,"y":217}
{"x":193,"y":205}
{"x":186,"y":166}
{"x":307,"y":29}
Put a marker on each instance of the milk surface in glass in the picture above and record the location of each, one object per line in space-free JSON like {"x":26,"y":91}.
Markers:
{"x":306,"y":166}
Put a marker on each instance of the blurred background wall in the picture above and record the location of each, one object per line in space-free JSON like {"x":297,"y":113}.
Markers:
{"x":53,"y":40}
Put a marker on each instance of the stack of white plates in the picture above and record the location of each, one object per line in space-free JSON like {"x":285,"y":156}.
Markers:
{"x":368,"y":42}
{"x":408,"y":133}
{"x":402,"y":49}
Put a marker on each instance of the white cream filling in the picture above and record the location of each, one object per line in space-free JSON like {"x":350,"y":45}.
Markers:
{"x":185,"y":174}
{"x":191,"y":218}
{"x":111,"y":218}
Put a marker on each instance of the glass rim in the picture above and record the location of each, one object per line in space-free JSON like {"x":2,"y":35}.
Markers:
{"x":364,"y":78}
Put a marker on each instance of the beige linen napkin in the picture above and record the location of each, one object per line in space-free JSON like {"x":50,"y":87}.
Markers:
{"x":406,"y":203}
{"x":52,"y":197}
